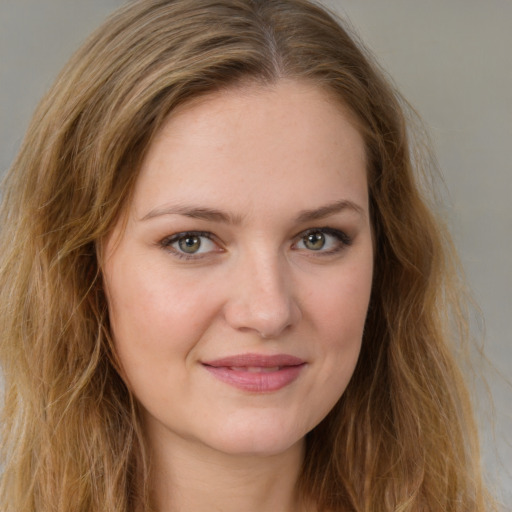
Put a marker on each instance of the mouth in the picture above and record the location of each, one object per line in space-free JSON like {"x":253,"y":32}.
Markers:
{"x":256,"y":373}
{"x":256,"y":369}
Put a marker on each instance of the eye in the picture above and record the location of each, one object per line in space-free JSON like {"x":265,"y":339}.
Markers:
{"x":314,"y":241}
{"x":190,"y":244}
{"x":323,"y":240}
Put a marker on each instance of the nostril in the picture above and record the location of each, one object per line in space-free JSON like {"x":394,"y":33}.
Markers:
{"x":260,"y":297}
{"x":268,"y":319}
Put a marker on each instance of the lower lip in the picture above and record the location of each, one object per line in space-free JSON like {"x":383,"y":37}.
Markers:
{"x":257,"y":382}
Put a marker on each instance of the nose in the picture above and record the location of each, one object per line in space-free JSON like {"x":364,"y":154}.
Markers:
{"x":261,"y":298}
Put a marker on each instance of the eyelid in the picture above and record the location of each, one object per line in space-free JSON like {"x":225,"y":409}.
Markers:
{"x":343,"y":241}
{"x":341,"y":236}
{"x":167,"y":242}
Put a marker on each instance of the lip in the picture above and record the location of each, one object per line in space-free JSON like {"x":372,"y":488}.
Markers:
{"x":256,"y":373}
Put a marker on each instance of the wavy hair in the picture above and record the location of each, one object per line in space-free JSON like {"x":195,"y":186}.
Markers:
{"x":401,"y":438}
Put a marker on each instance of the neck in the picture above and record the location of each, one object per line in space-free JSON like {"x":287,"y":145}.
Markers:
{"x":188,"y":477}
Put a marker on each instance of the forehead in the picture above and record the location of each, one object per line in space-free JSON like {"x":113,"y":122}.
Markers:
{"x":255,"y":143}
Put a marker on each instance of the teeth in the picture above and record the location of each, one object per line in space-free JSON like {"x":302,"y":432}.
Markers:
{"x":255,"y":369}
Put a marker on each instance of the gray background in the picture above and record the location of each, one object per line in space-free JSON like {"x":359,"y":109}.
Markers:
{"x":452,"y":60}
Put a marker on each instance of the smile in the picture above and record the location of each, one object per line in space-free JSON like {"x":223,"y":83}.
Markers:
{"x":256,"y":373}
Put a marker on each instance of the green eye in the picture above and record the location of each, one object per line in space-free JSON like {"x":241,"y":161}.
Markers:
{"x":192,"y":244}
{"x":324,"y":241}
{"x":314,"y":241}
{"x":189,"y":244}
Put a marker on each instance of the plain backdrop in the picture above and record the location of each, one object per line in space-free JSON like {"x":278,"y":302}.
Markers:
{"x":453,"y":62}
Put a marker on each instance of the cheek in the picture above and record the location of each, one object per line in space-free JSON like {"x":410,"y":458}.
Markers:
{"x":339,"y":312}
{"x":148,"y":308}
{"x":341,"y":305}
{"x":156,"y":328}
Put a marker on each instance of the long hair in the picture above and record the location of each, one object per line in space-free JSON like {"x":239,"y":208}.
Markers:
{"x":401,"y":438}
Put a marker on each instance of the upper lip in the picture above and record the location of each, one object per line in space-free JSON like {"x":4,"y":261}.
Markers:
{"x":256,"y":360}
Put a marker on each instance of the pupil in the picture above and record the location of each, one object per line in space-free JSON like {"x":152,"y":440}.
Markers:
{"x":190,"y":244}
{"x":315,"y":241}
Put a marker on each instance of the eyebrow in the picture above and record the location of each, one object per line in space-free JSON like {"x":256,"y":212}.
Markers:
{"x":330,"y":209}
{"x":212,"y":214}
{"x":194,"y":212}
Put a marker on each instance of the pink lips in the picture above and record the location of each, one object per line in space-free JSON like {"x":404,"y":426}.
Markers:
{"x":255,"y":372}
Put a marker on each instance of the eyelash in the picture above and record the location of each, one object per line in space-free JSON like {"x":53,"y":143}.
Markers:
{"x":167,"y":243}
{"x":343,"y":241}
{"x":341,"y":237}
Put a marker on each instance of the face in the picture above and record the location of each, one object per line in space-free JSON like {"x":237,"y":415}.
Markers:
{"x":239,"y":283}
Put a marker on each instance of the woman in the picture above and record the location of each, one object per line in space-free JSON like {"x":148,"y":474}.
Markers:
{"x":221,"y":285}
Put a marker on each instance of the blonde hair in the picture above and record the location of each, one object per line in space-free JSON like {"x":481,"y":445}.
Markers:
{"x":401,"y":437}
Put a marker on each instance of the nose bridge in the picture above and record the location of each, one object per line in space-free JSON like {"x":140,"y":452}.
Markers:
{"x":262,"y":297}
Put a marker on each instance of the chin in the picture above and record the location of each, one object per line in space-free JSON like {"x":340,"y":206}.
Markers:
{"x":262,"y":439}
{"x":257,"y":447}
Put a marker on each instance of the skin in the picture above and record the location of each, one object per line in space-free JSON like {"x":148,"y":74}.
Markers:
{"x":258,"y":169}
